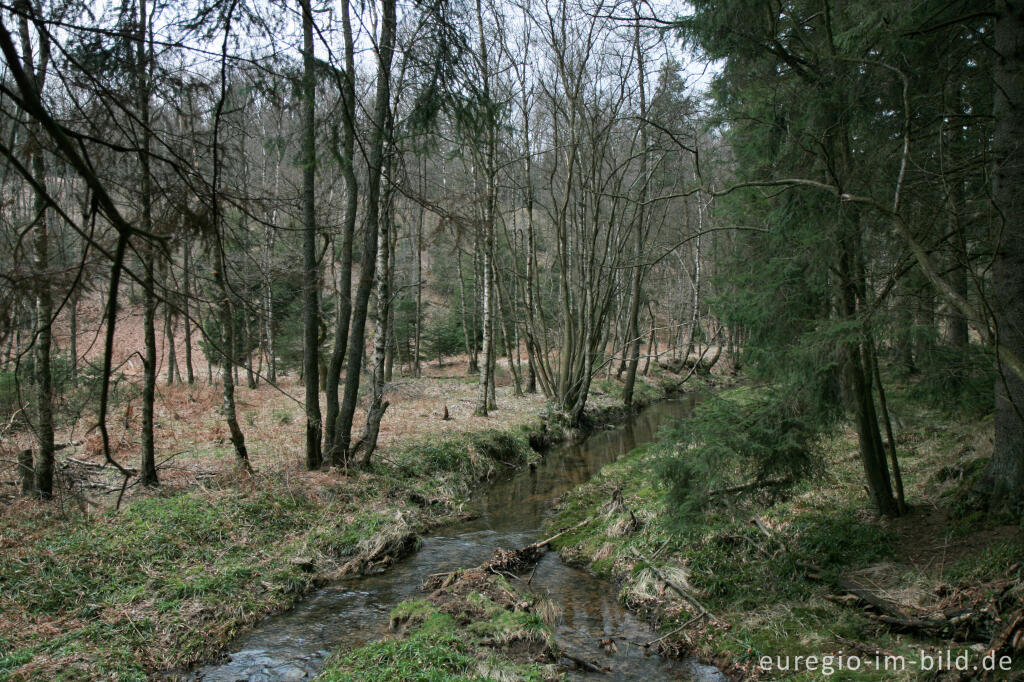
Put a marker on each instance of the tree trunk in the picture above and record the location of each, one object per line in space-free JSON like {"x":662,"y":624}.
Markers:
{"x":470,"y":353}
{"x":486,"y":392}
{"x":1004,"y":477}
{"x":43,"y":467}
{"x":310,"y":298}
{"x":652,"y":344}
{"x":26,"y":474}
{"x":367,"y":443}
{"x":148,"y":468}
{"x":901,"y":500}
{"x":389,"y":275}
{"x":187,"y":295}
{"x":220,"y":274}
{"x":633,"y":326}
{"x":375,"y":160}
{"x":172,"y":355}
{"x":250,"y":377}
{"x":334,"y":453}
{"x":416,"y":369}
{"x":227,"y":340}
{"x":73,"y":335}
{"x":858,"y":384}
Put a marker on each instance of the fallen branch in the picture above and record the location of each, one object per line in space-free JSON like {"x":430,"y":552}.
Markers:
{"x":678,"y":629}
{"x":1010,"y":639}
{"x":583,"y":663}
{"x":684,"y":593}
{"x":890,"y":612}
{"x":753,"y":485}
{"x":100,"y":465}
{"x":504,"y":560}
{"x":538,"y":545}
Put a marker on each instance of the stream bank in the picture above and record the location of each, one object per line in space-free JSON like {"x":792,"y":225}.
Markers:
{"x":182,"y":570}
{"x":955,"y":576}
{"x":349,"y":615}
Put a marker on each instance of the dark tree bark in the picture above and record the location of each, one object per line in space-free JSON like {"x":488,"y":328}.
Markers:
{"x":1004,"y":477}
{"x":633,"y":326}
{"x":334,"y":453}
{"x":310,"y":298}
{"x":375,"y":161}
{"x":186,"y":301}
{"x":26,"y":474}
{"x":172,"y":356}
{"x":73,"y":336}
{"x":416,"y":369}
{"x":220,"y":274}
{"x":148,"y":254}
{"x":148,"y":468}
{"x":857,"y":382}
{"x":35,"y":70}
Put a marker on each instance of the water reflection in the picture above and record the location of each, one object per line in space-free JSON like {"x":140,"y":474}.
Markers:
{"x":294,"y":645}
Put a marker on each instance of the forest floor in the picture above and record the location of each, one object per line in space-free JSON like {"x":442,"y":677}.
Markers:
{"x":819,"y":574}
{"x":166,"y":581}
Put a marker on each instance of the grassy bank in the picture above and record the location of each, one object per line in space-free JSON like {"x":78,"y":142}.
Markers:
{"x":480,"y":626}
{"x":773,"y":573}
{"x":169,"y":580}
{"x":172,"y":577}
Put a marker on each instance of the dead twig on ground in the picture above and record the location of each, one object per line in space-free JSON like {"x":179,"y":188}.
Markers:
{"x":680,"y":590}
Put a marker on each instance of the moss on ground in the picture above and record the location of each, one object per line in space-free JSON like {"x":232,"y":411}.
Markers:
{"x":479,"y":627}
{"x":760,"y":584}
{"x":169,"y":580}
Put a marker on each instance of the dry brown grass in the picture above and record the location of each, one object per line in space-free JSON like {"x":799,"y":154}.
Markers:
{"x":191,"y":437}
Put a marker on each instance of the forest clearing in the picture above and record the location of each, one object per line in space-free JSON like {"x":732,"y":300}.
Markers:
{"x":511,"y":339}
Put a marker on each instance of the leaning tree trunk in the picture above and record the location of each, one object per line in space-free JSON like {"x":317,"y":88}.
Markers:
{"x":220,"y":275}
{"x":227,"y":341}
{"x":1004,"y":477}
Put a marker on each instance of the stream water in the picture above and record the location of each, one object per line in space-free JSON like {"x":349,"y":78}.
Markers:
{"x":351,"y":613}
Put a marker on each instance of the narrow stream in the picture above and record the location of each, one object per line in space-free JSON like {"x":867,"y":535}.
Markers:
{"x":351,"y":613}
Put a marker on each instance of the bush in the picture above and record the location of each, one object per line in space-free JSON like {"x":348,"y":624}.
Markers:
{"x":71,"y":394}
{"x":758,"y":439}
{"x":8,"y":392}
{"x":442,"y":335}
{"x":956,"y":381}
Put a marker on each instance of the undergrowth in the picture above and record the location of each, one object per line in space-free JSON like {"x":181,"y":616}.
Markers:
{"x":169,"y":580}
{"x":764,"y":582}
